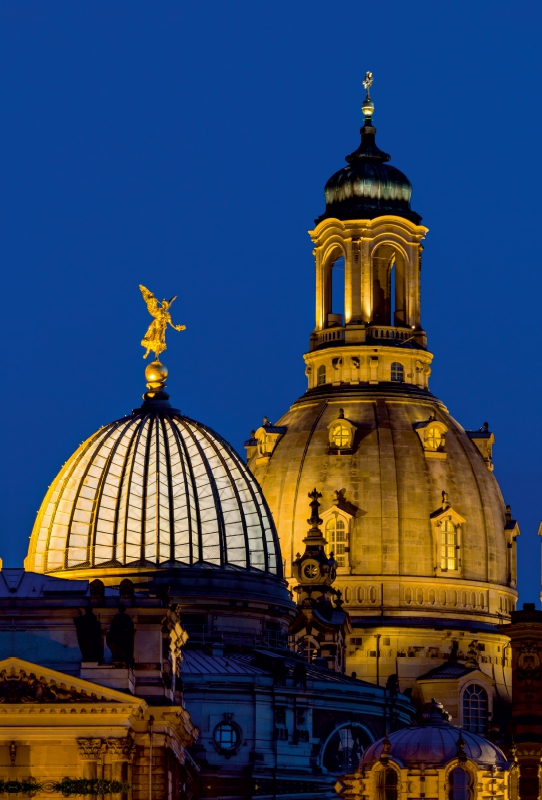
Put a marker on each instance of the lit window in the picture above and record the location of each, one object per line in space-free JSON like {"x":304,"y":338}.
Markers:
{"x":387,"y":784}
{"x":226,"y":736}
{"x":448,"y":545}
{"x":321,"y":375}
{"x":475,"y":709}
{"x":340,"y":436}
{"x":397,"y":372}
{"x":336,"y":539}
{"x":460,"y":783}
{"x":263,"y":444}
{"x":434,"y":439}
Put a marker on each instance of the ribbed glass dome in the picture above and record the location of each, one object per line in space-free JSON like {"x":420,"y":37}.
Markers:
{"x":154,"y":489}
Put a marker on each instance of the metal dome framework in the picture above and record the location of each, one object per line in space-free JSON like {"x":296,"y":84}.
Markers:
{"x":154,"y":489}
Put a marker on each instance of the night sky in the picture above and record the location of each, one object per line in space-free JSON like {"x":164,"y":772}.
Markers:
{"x":185,"y":146}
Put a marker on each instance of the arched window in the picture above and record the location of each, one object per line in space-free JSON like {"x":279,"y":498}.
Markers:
{"x":387,"y":784}
{"x":344,"y":749}
{"x":336,"y":536}
{"x":310,"y":648}
{"x":448,"y":545}
{"x":397,"y":372}
{"x":321,"y":375}
{"x":340,"y":435}
{"x":460,"y":783}
{"x":475,"y":709}
{"x":434,"y":439}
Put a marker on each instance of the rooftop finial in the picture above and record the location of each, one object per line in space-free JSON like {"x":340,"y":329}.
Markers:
{"x":368,"y":106}
{"x":155,"y":338}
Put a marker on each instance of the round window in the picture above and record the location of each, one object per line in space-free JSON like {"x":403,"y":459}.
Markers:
{"x":227,"y":736}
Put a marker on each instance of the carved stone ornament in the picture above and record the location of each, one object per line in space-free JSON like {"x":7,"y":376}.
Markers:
{"x":528,"y":669}
{"x":122,"y":749}
{"x":21,"y":687}
{"x":91,"y":749}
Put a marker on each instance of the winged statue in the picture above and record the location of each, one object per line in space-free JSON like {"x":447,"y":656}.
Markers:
{"x":155,"y":338}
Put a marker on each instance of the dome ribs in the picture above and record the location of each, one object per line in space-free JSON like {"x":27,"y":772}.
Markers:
{"x":150,"y":490}
{"x":94,"y":524}
{"x":202,"y":431}
{"x":81,"y":485}
{"x":169,"y":492}
{"x":220,"y":528}
{"x":191,"y":495}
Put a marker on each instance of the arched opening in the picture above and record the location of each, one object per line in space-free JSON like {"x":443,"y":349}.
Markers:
{"x":387,"y":784}
{"x":337,"y":293}
{"x":460,"y":784}
{"x":310,"y":649}
{"x":333,"y":288}
{"x":475,"y":708}
{"x":321,"y":375}
{"x":389,"y":290}
{"x":344,"y":749}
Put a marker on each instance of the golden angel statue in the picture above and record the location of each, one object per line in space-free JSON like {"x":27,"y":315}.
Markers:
{"x":155,"y":338}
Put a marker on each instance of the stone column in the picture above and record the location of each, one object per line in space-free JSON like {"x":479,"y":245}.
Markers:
{"x":526,"y":640}
{"x":91,"y":754}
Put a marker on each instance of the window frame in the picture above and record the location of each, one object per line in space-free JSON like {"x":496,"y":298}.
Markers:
{"x":227,"y":722}
{"x":321,"y":372}
{"x":347,"y":447}
{"x":464,"y":723}
{"x":402,"y":372}
{"x":327,"y":515}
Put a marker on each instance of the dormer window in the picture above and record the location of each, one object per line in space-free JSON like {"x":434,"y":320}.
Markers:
{"x":434,"y":438}
{"x":447,"y":526}
{"x":321,"y":375}
{"x":341,"y":434}
{"x":397,"y":372}
{"x":336,"y":533}
{"x":432,"y":433}
{"x":262,"y":442}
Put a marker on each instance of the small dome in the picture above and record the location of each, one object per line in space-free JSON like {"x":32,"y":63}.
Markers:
{"x":368,"y":187}
{"x":154,"y":489}
{"x":436,"y":742}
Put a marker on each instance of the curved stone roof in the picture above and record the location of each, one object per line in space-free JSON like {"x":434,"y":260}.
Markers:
{"x":155,"y":489}
{"x":368,"y":187}
{"x":391,"y":491}
{"x":435,"y":742}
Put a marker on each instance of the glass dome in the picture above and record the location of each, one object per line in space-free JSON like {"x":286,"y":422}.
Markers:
{"x":154,"y":489}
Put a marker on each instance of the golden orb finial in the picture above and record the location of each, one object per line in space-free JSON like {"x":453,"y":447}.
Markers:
{"x":368,"y":106}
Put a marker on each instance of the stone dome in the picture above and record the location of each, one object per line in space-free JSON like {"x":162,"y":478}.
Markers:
{"x":154,"y":490}
{"x":435,"y":742}
{"x":387,"y":489}
{"x":368,"y":187}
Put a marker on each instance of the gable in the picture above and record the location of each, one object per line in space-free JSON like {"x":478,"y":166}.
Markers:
{"x":24,"y":682}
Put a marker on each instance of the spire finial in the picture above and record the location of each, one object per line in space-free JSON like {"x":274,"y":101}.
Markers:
{"x":368,"y":106}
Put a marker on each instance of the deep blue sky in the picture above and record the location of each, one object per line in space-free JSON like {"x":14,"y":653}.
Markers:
{"x":185,"y":145}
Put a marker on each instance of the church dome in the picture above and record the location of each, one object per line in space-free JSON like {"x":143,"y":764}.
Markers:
{"x":435,"y":742}
{"x":385,"y":481}
{"x":152,"y":490}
